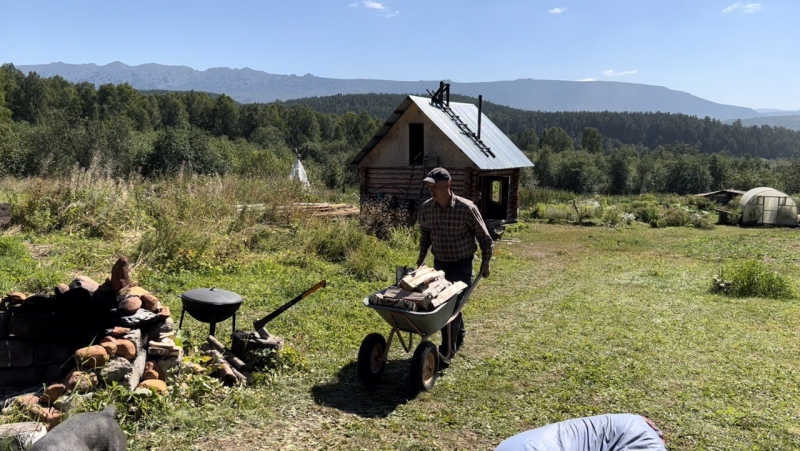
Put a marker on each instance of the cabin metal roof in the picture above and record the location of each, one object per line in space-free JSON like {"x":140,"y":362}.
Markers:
{"x":504,"y":153}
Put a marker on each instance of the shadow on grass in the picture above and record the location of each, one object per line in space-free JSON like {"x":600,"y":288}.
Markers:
{"x":347,"y":394}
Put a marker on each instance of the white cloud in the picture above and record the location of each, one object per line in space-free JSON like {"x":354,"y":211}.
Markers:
{"x":613,"y":74}
{"x":380,"y":8}
{"x":748,"y":8}
{"x":374,"y":5}
{"x":557,"y":10}
{"x":587,"y":79}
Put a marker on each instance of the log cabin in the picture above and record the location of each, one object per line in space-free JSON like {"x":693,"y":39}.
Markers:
{"x":427,"y":132}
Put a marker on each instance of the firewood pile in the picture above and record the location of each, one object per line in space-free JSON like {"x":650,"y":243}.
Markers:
{"x":422,"y":290}
{"x":117,"y":332}
{"x":323,"y":209}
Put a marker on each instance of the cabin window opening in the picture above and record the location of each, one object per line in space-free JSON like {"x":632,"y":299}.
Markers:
{"x":416,"y":144}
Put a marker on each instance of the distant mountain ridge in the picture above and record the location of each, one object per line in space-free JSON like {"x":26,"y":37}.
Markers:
{"x":249,"y":86}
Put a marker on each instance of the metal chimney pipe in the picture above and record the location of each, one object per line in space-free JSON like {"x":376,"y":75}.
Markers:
{"x":480,"y":105}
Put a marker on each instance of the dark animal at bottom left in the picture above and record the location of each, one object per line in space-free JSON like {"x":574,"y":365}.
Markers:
{"x":90,"y":431}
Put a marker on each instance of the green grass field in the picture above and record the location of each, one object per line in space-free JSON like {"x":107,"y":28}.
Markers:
{"x":574,"y":321}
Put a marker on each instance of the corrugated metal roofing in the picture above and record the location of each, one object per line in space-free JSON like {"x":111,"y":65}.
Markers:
{"x":506,"y":153}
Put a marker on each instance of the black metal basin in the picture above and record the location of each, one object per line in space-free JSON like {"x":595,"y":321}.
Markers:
{"x":210,"y":305}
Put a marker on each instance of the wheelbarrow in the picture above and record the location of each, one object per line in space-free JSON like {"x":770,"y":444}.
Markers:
{"x":374,"y":351}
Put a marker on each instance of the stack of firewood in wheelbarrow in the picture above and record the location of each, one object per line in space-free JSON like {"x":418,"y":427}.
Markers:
{"x":421,"y":290}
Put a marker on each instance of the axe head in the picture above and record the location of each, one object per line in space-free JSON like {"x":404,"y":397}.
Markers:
{"x":263,"y":333}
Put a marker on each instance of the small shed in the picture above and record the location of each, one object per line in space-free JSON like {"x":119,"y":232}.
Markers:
{"x":723,"y":196}
{"x":767,"y":206}
{"x":427,"y":132}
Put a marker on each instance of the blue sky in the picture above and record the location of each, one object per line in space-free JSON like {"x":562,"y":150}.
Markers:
{"x":741,"y":53}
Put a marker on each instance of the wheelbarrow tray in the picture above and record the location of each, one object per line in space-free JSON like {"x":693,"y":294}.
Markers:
{"x":422,"y":323}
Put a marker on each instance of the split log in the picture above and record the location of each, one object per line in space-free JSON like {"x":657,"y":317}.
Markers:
{"x":412,"y":281}
{"x":448,"y":293}
{"x":225,"y":371}
{"x":234,"y":361}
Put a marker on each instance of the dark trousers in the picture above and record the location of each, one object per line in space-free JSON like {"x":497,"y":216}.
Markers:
{"x":460,"y":270}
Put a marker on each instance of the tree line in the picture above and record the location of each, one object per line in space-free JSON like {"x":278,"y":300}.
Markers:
{"x":50,"y":126}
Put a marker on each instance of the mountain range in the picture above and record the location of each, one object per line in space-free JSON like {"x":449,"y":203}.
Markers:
{"x":249,"y":86}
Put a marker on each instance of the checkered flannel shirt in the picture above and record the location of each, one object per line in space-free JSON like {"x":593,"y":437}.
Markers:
{"x":452,"y":231}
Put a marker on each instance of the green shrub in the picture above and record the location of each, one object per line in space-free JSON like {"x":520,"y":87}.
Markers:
{"x":753,"y":278}
{"x":332,"y":240}
{"x":530,"y":197}
{"x":556,"y":213}
{"x":672,"y":217}
{"x":645,"y":211}
{"x":367,"y":262}
{"x":12,"y":247}
{"x":700,"y":203}
{"x":701,"y":221}
{"x":539,"y":210}
{"x":173,"y":246}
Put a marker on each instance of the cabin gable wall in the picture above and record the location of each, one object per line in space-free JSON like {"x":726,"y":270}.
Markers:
{"x":392,"y":151}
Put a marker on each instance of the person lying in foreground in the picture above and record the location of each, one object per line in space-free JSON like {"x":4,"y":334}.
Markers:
{"x":612,"y":432}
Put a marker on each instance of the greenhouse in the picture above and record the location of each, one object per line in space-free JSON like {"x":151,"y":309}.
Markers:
{"x":767,"y":206}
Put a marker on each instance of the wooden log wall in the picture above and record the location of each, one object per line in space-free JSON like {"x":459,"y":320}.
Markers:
{"x":405,"y":183}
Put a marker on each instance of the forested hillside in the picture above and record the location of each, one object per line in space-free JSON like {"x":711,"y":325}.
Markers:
{"x":645,"y":129}
{"x":51,"y":126}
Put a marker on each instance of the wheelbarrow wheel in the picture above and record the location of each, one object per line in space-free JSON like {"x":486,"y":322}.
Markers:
{"x":370,"y":355}
{"x":424,"y":366}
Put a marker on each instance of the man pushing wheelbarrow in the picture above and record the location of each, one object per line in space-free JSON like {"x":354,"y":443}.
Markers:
{"x":450,"y":227}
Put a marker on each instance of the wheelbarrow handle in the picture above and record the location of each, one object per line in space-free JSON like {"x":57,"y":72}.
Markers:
{"x":465,"y":298}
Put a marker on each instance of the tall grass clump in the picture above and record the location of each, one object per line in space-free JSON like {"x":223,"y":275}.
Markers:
{"x":530,"y":197}
{"x":86,"y":201}
{"x":753,"y":278}
{"x":331,"y":240}
{"x":368,"y":261}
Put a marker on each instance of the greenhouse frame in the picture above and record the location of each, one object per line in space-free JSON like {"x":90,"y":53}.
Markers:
{"x":767,"y":206}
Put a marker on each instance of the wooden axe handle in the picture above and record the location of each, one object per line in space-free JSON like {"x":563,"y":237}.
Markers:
{"x":263,"y":321}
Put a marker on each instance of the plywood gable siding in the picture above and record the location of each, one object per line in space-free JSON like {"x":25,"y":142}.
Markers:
{"x":392,"y":150}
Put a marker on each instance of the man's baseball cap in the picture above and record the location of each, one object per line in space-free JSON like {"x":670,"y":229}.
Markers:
{"x":437,"y":175}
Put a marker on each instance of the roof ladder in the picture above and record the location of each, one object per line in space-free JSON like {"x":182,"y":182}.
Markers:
{"x":441,"y":99}
{"x":466,"y":130}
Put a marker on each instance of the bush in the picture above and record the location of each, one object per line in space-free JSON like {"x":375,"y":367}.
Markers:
{"x":531,"y":197}
{"x":556,"y":213}
{"x":753,"y":278}
{"x":673,"y":217}
{"x":12,"y":247}
{"x":645,"y":211}
{"x":367,"y":262}
{"x":701,"y":221}
{"x":172,"y":246}
{"x":332,"y":240}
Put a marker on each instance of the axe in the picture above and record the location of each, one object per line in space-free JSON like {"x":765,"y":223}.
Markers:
{"x":259,"y":325}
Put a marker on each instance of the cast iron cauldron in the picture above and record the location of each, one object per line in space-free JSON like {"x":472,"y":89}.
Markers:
{"x":211,"y":305}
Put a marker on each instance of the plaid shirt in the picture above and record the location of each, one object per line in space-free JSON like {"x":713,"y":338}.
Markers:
{"x":452,"y":231}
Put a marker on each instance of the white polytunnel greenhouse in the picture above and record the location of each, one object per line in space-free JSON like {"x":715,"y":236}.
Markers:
{"x":767,"y":206}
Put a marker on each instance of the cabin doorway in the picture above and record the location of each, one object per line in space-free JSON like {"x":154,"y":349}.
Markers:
{"x":494,"y":198}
